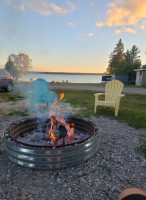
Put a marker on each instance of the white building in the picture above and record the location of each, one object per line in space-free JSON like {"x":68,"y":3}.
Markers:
{"x":140,"y":77}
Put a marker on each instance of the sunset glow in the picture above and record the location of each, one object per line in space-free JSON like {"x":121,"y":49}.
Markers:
{"x":71,"y":36}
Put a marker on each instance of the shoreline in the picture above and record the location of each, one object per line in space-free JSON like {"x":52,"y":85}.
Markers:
{"x":66,"y":73}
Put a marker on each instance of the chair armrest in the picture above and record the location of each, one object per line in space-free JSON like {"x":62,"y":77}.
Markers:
{"x":52,"y":94}
{"x":121,"y":95}
{"x":98,"y":94}
{"x":119,"y":98}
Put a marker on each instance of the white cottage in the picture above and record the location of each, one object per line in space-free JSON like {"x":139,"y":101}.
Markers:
{"x":140,"y":77}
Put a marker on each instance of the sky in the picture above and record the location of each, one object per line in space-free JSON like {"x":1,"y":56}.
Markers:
{"x":72,"y":35}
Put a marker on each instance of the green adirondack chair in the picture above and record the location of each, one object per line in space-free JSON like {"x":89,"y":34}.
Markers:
{"x":40,"y":93}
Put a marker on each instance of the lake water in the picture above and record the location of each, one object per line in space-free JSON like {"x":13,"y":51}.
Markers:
{"x":73,"y":78}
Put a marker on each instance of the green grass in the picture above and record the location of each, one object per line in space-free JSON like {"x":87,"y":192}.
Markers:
{"x":132,"y":107}
{"x":18,"y":113}
{"x":10,"y":96}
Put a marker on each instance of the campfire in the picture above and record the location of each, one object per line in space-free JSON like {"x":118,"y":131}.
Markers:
{"x":57,"y":142}
{"x":56,"y":131}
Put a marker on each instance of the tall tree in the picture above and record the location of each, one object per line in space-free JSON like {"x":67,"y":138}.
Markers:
{"x":132,"y":61}
{"x":132,"y":55}
{"x":18,"y":64}
{"x":10,"y":67}
{"x":23,"y":63}
{"x":116,"y":57}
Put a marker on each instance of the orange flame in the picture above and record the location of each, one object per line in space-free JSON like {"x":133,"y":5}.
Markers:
{"x":59,"y":119}
{"x":61,"y":96}
{"x":51,"y":135}
{"x":70,"y":132}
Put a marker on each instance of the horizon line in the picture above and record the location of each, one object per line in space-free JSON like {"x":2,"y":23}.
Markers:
{"x":66,"y":72}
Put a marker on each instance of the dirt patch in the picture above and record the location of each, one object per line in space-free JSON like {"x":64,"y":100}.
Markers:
{"x":6,"y":107}
{"x":24,"y":105}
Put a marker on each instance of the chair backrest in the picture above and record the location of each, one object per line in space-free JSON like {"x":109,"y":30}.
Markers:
{"x":40,"y":88}
{"x":113,"y":89}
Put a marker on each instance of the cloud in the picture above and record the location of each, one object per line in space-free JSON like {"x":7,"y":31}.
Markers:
{"x":70,"y":24}
{"x":142,"y":27}
{"x":124,"y":29}
{"x":43,"y":7}
{"x":18,"y":5}
{"x":57,"y":9}
{"x":90,"y":34}
{"x":124,"y":13}
{"x":99,"y":24}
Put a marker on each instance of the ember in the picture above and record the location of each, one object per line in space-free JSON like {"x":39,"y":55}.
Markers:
{"x":59,"y":128}
{"x":60,"y":134}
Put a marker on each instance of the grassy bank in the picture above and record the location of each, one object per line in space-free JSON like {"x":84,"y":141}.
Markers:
{"x":10,"y":96}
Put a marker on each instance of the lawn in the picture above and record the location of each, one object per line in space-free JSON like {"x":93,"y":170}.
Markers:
{"x":132,"y":107}
{"x":10,"y":96}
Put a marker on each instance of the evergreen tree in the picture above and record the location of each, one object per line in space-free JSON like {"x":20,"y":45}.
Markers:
{"x":144,"y":67}
{"x":132,"y":61}
{"x":10,"y":67}
{"x":132,"y":55}
{"x":116,"y":57}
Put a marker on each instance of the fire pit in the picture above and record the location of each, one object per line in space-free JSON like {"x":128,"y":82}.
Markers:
{"x":30,"y":142}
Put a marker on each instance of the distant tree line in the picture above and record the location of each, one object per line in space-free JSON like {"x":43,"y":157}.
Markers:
{"x":18,"y":65}
{"x":124,"y":63}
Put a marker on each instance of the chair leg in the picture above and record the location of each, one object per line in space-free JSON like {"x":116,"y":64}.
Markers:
{"x":116,"y":110}
{"x":95,"y":107}
{"x":32,"y":106}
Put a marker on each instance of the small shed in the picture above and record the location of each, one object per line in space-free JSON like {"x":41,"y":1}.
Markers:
{"x":140,"y":77}
{"x":121,"y":77}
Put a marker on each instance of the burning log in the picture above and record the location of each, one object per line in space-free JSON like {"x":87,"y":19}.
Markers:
{"x":59,"y":128}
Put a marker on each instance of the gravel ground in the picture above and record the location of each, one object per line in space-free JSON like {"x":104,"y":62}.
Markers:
{"x":130,"y":90}
{"x":114,"y":167}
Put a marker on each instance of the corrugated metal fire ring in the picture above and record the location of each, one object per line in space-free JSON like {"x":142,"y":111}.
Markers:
{"x":49,"y":158}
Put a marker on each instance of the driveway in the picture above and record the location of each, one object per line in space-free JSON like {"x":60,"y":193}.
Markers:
{"x":24,"y":87}
{"x":130,"y":90}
